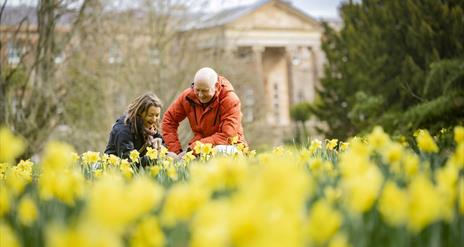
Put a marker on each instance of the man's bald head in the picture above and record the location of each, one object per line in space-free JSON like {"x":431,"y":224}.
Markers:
{"x":204,"y":84}
{"x":206,"y":75}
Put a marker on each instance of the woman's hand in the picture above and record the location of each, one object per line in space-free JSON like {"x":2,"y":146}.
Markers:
{"x":150,"y":131}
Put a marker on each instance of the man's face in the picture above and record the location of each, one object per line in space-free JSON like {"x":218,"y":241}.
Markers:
{"x":204,"y":91}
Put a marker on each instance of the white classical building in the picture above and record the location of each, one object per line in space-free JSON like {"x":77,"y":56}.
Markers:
{"x":285,"y":44}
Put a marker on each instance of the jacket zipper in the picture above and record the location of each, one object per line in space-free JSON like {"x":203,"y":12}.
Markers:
{"x":216,"y":117}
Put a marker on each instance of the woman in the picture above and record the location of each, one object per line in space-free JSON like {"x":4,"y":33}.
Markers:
{"x":138,"y":129}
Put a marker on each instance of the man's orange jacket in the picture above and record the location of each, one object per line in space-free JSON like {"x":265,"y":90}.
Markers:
{"x":216,"y":122}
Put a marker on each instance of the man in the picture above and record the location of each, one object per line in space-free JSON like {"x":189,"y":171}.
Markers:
{"x":212,"y":109}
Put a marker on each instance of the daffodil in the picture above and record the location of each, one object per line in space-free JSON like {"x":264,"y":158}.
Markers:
{"x":459,"y":134}
{"x":126,"y":169}
{"x":393,"y":204}
{"x":324,"y":222}
{"x":461,"y":196}
{"x":163,"y":152}
{"x":447,"y":185}
{"x":113,"y":160}
{"x":182,"y":202}
{"x":362,"y":189}
{"x":392,"y":153}
{"x":4,"y":167}
{"x":344,"y":146}
{"x":75,"y":156}
{"x":148,"y":233}
{"x":16,"y":181}
{"x":424,"y":204}
{"x":206,"y":148}
{"x":197,"y":147}
{"x":85,"y":234}
{"x":172,"y":173}
{"x":8,"y":237}
{"x":5,"y":199}
{"x":27,"y":211}
{"x":332,"y":194}
{"x":24,"y":170}
{"x":134,"y":155}
{"x":339,"y":240}
{"x":315,"y":145}
{"x":188,"y":157}
{"x":57,"y":156}
{"x":411,"y":164}
{"x":11,"y":146}
{"x":154,"y":170}
{"x":234,"y":140}
{"x":331,"y":144}
{"x":426,"y":143}
{"x":210,"y":226}
{"x":152,"y":153}
{"x":378,"y":138}
{"x":90,"y":157}
{"x":66,"y":186}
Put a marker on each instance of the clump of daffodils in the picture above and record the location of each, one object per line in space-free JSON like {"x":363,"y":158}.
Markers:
{"x":330,"y":193}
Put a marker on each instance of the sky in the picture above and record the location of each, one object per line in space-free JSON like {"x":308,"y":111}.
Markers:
{"x":314,"y":8}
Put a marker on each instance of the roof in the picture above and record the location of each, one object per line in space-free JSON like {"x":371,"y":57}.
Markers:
{"x":229,"y":15}
{"x":13,"y":15}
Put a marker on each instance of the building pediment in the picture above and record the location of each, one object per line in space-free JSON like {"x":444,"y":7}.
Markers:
{"x":275,"y":15}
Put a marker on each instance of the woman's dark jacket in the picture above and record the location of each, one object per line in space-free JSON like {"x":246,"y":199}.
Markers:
{"x":123,"y":138}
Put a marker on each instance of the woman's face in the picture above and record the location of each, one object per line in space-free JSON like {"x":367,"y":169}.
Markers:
{"x":151,"y":116}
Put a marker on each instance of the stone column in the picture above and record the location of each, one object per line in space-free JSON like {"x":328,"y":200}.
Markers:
{"x":229,"y":50}
{"x":292,"y":53}
{"x":317,"y":58}
{"x":258,"y":52}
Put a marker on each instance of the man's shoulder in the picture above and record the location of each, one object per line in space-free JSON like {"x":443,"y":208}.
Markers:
{"x":229,"y":100}
{"x":185,"y":93}
{"x":183,"y":96}
{"x":229,"y":96}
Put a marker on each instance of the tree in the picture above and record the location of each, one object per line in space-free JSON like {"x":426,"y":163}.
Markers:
{"x":32,"y":90}
{"x":122,"y":53}
{"x":394,"y":63}
{"x":300,"y":113}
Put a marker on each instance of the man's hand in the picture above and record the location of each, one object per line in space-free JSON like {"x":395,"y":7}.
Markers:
{"x":173,"y":155}
{"x":181,"y":154}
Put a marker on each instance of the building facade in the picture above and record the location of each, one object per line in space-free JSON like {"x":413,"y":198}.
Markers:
{"x":285,"y":45}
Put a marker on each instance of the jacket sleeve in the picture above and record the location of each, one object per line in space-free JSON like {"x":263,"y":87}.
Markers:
{"x":124,"y":144}
{"x":173,"y":116}
{"x":230,"y":122}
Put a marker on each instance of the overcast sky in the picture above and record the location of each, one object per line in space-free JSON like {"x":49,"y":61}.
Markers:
{"x":315,"y":8}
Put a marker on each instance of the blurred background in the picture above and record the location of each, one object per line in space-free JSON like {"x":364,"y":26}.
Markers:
{"x":302,"y":68}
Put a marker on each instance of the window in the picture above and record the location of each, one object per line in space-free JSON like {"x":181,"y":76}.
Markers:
{"x":249,"y":102}
{"x":154,"y":56}
{"x":243,"y":52}
{"x":14,"y":53}
{"x":115,"y":55}
{"x":59,"y":58}
{"x":300,"y":96}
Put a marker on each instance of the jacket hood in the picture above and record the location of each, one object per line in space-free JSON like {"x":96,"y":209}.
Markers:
{"x":120,"y":120}
{"x":121,"y":123}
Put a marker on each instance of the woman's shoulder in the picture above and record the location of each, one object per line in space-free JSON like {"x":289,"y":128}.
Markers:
{"x":120,"y":125}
